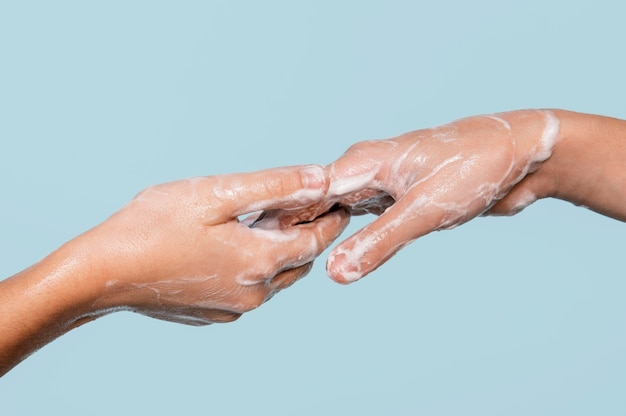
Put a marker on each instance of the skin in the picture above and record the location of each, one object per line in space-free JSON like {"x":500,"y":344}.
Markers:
{"x":439,"y":178}
{"x":176,"y":252}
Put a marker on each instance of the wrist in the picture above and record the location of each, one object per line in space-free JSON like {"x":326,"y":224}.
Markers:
{"x":535,"y":136}
{"x":96,"y":265}
{"x":67,"y":281}
{"x":587,"y":163}
{"x":532,"y":137}
{"x":42,"y":303}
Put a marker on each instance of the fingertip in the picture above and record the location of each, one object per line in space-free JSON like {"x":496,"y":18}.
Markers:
{"x":342,"y":268}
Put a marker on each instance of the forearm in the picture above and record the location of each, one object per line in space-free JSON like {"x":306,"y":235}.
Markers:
{"x":588,"y":165}
{"x":42,"y":303}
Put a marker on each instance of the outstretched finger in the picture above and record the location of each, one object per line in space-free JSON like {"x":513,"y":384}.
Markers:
{"x":421,"y":210}
{"x":371,"y":246}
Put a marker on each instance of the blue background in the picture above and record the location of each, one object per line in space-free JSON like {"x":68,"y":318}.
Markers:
{"x":514,"y":316}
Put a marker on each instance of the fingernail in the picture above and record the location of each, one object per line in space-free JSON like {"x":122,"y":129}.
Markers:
{"x":313,"y":176}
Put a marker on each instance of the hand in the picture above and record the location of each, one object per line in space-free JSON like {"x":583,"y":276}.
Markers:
{"x":178,"y":251}
{"x":435,"y":179}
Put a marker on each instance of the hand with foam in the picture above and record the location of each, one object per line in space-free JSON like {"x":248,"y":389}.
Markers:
{"x":176,"y":252}
{"x":181,"y":254}
{"x":436,"y":179}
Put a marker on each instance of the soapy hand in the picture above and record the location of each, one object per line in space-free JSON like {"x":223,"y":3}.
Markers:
{"x":435,"y":179}
{"x":178,"y":251}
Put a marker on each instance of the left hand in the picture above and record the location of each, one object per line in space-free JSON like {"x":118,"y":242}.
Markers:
{"x":433,"y":179}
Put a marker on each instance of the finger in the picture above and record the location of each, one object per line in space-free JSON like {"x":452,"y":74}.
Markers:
{"x":421,"y":210}
{"x":284,"y":218}
{"x":287,"y":187}
{"x":221,"y":317}
{"x":287,"y":278}
{"x":297,"y":245}
{"x":371,"y":246}
{"x":281,"y":218}
{"x":195,"y":316}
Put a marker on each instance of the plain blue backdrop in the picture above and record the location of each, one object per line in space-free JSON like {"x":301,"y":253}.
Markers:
{"x":502,"y":316}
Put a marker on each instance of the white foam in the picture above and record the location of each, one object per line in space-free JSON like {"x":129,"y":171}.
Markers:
{"x":549,"y":137}
{"x":466,"y":196}
{"x":522,"y":201}
{"x":500,"y":120}
{"x":351,"y":183}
